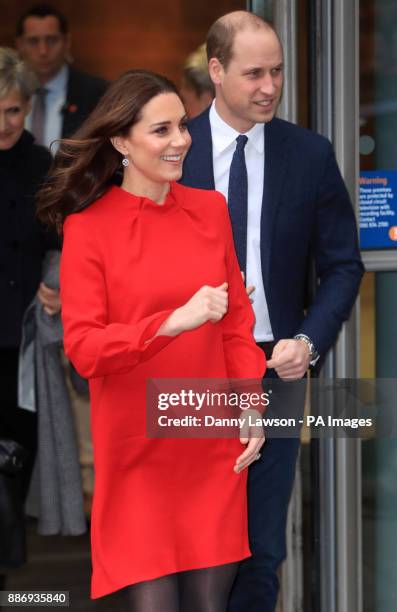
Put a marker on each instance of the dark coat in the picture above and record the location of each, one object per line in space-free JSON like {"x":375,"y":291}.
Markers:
{"x":82,"y":95}
{"x":23,"y":241}
{"x":306,"y":213}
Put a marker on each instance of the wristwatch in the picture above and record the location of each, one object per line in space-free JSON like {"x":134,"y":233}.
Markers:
{"x":313,"y":352}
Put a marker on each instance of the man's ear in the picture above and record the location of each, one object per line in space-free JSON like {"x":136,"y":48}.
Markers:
{"x":215,"y":70}
{"x":118,"y":144}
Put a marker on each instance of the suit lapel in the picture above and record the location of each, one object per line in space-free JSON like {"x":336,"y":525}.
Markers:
{"x":71,"y":110}
{"x":275,"y":171}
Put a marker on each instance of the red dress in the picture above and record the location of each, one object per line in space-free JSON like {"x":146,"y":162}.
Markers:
{"x":160,"y":505}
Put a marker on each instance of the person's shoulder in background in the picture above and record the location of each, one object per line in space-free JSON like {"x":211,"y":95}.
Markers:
{"x":83,"y":92}
{"x":82,"y":84}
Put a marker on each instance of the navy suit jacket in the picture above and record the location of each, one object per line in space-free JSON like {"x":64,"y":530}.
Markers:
{"x":306,"y":213}
{"x":82,"y":95}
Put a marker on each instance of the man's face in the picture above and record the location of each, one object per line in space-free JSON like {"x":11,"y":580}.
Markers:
{"x":43,"y":46}
{"x":249,"y":90}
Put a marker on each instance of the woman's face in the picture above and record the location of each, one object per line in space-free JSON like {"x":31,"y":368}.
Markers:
{"x":13,"y":110}
{"x":157,"y":145}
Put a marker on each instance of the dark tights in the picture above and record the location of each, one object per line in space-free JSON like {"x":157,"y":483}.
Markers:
{"x":203,"y":590}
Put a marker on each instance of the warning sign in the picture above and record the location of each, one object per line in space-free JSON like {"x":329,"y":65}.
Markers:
{"x":378,"y":209}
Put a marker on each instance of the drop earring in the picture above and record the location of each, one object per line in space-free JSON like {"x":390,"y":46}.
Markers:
{"x":125,"y":161}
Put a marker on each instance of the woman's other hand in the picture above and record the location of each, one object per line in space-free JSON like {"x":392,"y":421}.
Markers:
{"x":252,"y":434}
{"x":50,"y":299}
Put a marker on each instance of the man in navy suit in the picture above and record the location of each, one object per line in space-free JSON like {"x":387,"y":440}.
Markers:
{"x":298,"y":210}
{"x":43,"y":41}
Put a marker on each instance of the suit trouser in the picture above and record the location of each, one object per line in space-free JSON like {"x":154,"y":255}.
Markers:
{"x":270,"y":483}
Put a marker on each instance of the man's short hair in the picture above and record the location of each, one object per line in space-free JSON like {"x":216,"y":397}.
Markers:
{"x":220,"y":37}
{"x":41,"y":11}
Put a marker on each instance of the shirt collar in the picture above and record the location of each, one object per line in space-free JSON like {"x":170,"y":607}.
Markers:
{"x":223,"y":135}
{"x":58,"y":82}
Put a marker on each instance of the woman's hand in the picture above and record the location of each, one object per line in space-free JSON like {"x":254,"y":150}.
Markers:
{"x":50,"y":299}
{"x":207,"y":304}
{"x":252,"y":435}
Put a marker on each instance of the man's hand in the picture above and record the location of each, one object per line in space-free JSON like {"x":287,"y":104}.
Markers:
{"x":290,"y":359}
{"x":250,"y":289}
{"x":251,"y":435}
{"x":50,"y":299}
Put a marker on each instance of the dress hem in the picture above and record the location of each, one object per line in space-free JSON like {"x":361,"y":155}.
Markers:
{"x":174,"y":571}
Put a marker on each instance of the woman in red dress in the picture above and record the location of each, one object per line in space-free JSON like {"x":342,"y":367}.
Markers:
{"x":150,"y":288}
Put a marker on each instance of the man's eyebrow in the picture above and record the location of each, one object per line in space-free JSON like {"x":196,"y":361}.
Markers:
{"x":248,"y":68}
{"x":38,"y":36}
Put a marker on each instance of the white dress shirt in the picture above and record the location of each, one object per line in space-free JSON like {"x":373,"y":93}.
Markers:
{"x":55,"y":101}
{"x":223,"y":147}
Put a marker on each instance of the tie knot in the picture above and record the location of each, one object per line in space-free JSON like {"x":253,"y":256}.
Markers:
{"x":241,"y":141}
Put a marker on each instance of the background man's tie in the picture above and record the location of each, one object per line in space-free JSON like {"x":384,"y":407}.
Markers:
{"x":238,"y":201}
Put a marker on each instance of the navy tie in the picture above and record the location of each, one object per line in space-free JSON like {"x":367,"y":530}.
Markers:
{"x":238,"y":201}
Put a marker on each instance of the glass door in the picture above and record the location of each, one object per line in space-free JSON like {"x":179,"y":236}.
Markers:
{"x":378,"y":194}
{"x":321,"y":39}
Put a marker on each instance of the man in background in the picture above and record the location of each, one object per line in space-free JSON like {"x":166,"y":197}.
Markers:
{"x":66,"y":96}
{"x":288,"y":204}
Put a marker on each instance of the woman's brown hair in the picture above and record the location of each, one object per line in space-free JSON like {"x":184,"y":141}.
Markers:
{"x":86,"y":165}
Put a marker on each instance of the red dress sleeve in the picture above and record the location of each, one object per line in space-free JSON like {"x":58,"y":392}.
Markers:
{"x":243,"y":358}
{"x":95,"y":346}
